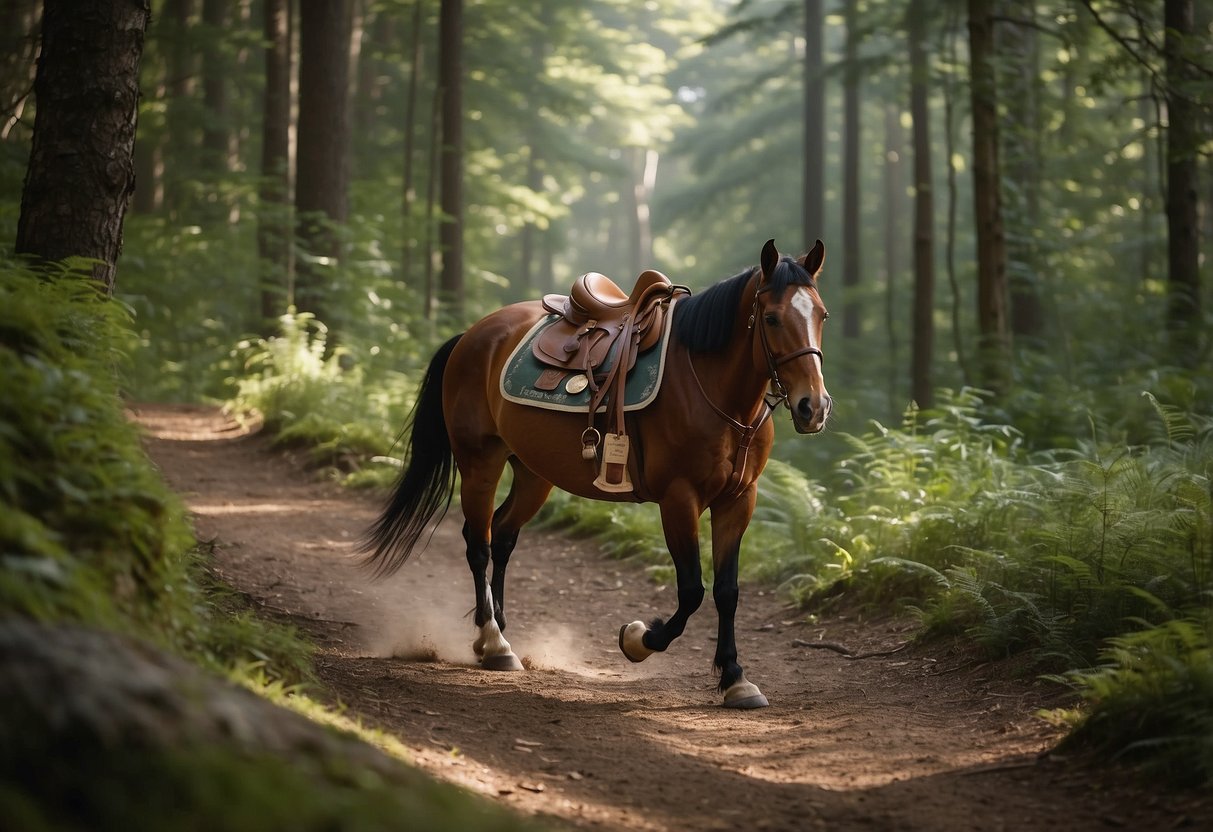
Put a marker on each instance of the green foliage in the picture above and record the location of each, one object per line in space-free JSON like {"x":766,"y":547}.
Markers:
{"x":190,"y":287}
{"x":88,"y":532}
{"x":1150,"y":700}
{"x":318,"y":400}
{"x":1048,"y":552}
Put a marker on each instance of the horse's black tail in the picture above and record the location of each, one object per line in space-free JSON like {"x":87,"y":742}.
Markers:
{"x":427,"y":482}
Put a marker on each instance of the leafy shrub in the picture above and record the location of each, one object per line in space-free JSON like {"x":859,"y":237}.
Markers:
{"x":320,"y":400}
{"x":1151,"y":700}
{"x":88,"y":532}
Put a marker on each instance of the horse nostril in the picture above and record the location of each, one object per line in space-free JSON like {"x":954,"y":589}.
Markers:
{"x":804,"y":409}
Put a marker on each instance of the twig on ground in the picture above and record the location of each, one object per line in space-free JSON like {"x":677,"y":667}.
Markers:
{"x":847,"y":652}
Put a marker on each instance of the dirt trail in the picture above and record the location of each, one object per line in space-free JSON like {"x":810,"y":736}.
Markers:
{"x":922,"y":739}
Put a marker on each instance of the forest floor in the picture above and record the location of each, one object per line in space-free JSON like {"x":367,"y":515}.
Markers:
{"x":928,"y":737}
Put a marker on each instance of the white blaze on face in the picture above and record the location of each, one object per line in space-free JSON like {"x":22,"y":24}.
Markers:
{"x":802,"y":302}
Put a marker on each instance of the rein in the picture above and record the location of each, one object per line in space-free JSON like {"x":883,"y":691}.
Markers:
{"x":770,"y":400}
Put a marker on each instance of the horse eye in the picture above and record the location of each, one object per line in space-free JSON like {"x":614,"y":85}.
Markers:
{"x":770,"y":319}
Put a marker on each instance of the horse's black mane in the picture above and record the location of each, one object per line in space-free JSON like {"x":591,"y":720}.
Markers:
{"x":704,"y":322}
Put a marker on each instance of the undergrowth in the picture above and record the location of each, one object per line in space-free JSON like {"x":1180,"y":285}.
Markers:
{"x":89,"y":534}
{"x":319,"y":399}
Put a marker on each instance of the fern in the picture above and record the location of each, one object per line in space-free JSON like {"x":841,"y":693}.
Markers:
{"x":1151,"y":700}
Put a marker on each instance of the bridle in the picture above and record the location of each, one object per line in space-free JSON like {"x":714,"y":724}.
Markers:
{"x":779,"y":392}
{"x":770,"y":400}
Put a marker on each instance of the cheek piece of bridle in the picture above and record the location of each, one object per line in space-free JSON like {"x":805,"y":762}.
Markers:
{"x":778,"y":393}
{"x":770,"y":400}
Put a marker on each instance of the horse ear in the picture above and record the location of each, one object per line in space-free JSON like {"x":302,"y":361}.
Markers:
{"x":770,"y":258}
{"x":815,"y":259}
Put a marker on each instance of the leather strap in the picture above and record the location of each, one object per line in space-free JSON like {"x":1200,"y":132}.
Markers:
{"x":741,"y":456}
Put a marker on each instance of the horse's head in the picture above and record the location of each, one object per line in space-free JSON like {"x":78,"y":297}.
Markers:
{"x":789,"y":316}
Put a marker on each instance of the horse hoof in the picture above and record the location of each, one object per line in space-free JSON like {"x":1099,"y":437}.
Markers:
{"x":744,"y":695}
{"x":631,"y":641}
{"x":505,"y":661}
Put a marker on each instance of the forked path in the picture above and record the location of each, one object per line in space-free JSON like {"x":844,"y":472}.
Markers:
{"x":925,"y":738}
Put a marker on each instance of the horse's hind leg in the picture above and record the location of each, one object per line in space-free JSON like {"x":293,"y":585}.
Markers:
{"x":527,"y":495}
{"x":480,"y":473}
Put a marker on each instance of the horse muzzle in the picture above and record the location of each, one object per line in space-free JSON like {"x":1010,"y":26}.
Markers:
{"x":810,"y":413}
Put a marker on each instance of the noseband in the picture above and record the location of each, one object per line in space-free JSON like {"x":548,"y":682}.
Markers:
{"x":779,"y":393}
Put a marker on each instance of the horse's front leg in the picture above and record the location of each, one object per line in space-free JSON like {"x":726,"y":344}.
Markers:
{"x":680,"y":522}
{"x":729,"y":522}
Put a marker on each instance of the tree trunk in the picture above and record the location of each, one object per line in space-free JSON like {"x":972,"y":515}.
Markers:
{"x":273,"y":220}
{"x":643,"y":169}
{"x":430,"y":298}
{"x":530,"y":231}
{"x":149,"y":143}
{"x":322,"y":166}
{"x":1021,"y":129}
{"x":894,"y":206}
{"x":993,"y":333}
{"x":215,"y":71}
{"x":949,"y":132}
{"x":850,"y":167}
{"x":180,"y":117}
{"x":409,"y":228}
{"x":1183,"y":231}
{"x":372,"y":72}
{"x":81,"y":171}
{"x":450,"y":83}
{"x":814,"y":123}
{"x":923,"y":341}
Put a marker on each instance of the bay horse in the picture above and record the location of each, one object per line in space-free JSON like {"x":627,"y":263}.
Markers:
{"x":737,"y":350}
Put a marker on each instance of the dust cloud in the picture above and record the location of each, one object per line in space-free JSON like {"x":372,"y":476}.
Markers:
{"x":425,"y":615}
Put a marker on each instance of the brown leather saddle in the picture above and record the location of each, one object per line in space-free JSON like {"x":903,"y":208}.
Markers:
{"x":593,"y":315}
{"x":594,"y":343}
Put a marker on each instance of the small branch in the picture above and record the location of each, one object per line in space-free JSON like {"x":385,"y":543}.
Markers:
{"x":845,"y":651}
{"x":1123,"y":41}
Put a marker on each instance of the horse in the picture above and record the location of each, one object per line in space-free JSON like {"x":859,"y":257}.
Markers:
{"x":736,"y":351}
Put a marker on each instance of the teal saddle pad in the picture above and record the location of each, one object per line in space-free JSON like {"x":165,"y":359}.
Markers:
{"x":522,"y":370}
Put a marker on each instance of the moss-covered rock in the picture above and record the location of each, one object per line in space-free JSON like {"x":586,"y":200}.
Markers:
{"x":100,"y":731}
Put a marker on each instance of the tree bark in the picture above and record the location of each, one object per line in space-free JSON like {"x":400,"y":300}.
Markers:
{"x":273,"y":220}
{"x":814,"y":123}
{"x":409,"y":228}
{"x":450,"y":83}
{"x":81,"y":170}
{"x":1183,"y":231}
{"x":850,"y":167}
{"x":923,"y":340}
{"x":530,"y":232}
{"x":894,"y":206}
{"x":1021,"y":123}
{"x":180,"y":113}
{"x":430,"y":301}
{"x":992,"y":323}
{"x":148,"y":197}
{"x":215,"y":71}
{"x":322,"y":157}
